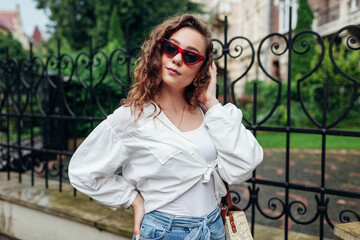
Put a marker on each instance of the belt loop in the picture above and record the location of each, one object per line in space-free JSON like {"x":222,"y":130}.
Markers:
{"x":171,"y":219}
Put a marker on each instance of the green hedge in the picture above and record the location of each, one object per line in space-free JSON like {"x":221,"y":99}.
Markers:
{"x":340,"y":91}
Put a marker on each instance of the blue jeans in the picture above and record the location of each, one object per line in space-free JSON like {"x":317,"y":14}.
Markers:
{"x":159,"y":225}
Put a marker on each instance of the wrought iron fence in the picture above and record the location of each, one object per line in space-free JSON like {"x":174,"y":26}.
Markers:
{"x":48,"y":105}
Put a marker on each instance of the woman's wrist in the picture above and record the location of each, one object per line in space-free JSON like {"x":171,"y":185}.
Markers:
{"x":137,"y":201}
{"x":210,"y":103}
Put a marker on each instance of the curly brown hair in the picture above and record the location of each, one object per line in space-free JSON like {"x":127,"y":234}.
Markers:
{"x":147,"y":73}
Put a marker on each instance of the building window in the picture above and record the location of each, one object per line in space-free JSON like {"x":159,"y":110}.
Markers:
{"x":354,"y":5}
{"x":284,"y":15}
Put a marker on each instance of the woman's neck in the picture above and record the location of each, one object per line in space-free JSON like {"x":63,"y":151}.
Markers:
{"x":171,"y":100}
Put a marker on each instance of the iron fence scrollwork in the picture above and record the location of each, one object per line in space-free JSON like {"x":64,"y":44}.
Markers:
{"x":52,"y":96}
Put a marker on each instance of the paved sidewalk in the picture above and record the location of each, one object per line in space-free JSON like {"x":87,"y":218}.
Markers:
{"x":89,"y":212}
{"x":342,"y":172}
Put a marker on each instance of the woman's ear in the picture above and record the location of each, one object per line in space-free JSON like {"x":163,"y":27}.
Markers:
{"x":196,"y":80}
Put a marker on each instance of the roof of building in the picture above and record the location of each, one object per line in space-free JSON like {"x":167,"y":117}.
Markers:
{"x":36,"y":37}
{"x":3,"y":28}
{"x":7,"y":18}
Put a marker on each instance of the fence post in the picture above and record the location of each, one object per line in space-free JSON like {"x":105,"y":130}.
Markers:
{"x":288,"y":124}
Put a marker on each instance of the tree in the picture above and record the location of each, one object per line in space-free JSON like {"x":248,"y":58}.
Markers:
{"x":115,"y":33}
{"x":301,"y":62}
{"x":100,"y":31}
{"x":75,"y":20}
{"x":14,"y":46}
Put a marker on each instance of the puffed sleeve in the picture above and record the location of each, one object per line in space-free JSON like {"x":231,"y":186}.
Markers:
{"x":239,"y":153}
{"x":93,"y":165}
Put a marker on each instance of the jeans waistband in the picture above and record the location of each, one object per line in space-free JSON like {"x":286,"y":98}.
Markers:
{"x":200,"y":225}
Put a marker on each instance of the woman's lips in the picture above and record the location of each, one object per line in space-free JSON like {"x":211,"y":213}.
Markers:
{"x":173,"y":71}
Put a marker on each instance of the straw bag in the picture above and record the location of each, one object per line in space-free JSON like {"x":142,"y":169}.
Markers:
{"x":235,"y":222}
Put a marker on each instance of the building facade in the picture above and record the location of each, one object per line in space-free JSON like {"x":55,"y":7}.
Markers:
{"x":10,"y":22}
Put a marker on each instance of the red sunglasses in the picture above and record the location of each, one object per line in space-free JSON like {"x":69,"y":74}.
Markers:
{"x":171,"y":49}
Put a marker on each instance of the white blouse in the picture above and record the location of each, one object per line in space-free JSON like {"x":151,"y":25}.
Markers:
{"x":157,"y":160}
{"x":200,"y":199}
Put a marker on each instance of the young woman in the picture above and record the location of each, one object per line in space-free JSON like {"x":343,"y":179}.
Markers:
{"x":175,"y":142}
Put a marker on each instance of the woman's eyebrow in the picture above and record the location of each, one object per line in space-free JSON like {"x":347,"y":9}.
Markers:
{"x":189,"y":47}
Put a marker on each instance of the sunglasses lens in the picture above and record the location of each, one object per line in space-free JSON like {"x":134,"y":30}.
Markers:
{"x":169,"y":48}
{"x":190,"y":58}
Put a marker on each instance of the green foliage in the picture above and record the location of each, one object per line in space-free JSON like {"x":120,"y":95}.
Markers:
{"x":100,"y":31}
{"x":116,"y":33}
{"x":305,"y":16}
{"x":107,"y":92}
{"x":301,"y":62}
{"x":75,"y":20}
{"x":339,"y":91}
{"x":51,"y":47}
{"x":266,"y":97}
{"x":267,"y":93}
{"x":14,"y":47}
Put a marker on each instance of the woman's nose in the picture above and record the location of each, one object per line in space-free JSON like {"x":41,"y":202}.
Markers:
{"x":177,"y":59}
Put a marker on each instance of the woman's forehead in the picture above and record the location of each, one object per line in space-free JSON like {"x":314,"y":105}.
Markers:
{"x":190,"y":39}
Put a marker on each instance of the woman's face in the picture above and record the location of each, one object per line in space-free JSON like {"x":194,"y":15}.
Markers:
{"x":174,"y":72}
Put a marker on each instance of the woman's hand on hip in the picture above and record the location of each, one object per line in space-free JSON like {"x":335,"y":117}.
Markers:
{"x":139,"y":211}
{"x":209,"y":96}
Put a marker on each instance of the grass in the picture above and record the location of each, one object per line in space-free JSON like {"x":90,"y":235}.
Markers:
{"x":300,"y":140}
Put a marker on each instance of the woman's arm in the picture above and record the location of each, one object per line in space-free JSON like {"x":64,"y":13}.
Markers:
{"x":139,"y":211}
{"x":93,"y":165}
{"x":238,"y":151}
